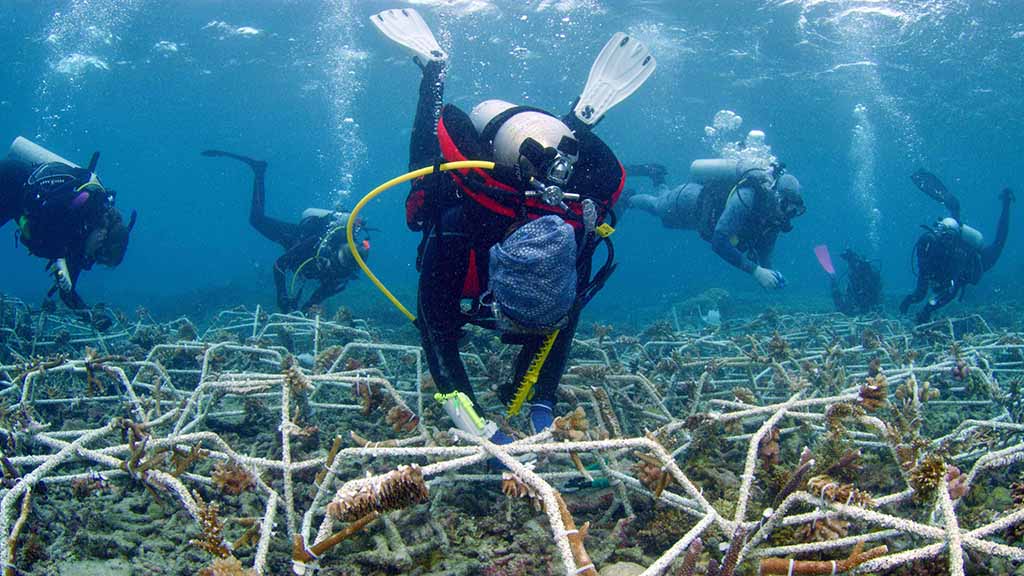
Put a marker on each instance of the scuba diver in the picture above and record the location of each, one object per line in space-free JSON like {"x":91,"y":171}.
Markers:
{"x":315,"y":247}
{"x":740,"y":207}
{"x":517,"y":241}
{"x":951,"y":255}
{"x":63,"y":213}
{"x":863,"y":292}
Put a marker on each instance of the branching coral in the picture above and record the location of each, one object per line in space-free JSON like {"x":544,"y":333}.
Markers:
{"x":573,"y":426}
{"x":926,"y":477}
{"x":211,"y":538}
{"x":395,"y":490}
{"x":785,"y":566}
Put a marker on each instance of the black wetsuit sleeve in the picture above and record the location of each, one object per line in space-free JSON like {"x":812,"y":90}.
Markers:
{"x":286,"y":234}
{"x":423,"y":145}
{"x":991,"y":253}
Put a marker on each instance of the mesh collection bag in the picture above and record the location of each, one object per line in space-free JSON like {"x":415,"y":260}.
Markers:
{"x":533,"y":274}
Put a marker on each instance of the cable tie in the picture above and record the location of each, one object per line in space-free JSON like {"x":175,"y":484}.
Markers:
{"x":568,"y":532}
{"x":792,"y":561}
{"x":583,"y":569}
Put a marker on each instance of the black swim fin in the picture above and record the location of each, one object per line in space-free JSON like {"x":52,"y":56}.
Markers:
{"x":931,"y":185}
{"x":252,"y":162}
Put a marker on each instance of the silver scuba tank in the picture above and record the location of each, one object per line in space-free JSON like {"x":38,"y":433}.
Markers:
{"x":706,"y":171}
{"x":31,"y":153}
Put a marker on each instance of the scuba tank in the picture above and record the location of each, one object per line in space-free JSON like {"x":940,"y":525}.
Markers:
{"x":723,"y":170}
{"x":29,"y":152}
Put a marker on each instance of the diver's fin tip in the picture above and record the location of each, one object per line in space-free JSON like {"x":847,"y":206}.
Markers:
{"x":623,"y":65}
{"x":405,"y":27}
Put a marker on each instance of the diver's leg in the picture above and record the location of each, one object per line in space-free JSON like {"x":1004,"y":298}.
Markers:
{"x":990,"y":253}
{"x":283,"y":233}
{"x":647,"y":202}
{"x":445,"y":264}
{"x":423,"y":145}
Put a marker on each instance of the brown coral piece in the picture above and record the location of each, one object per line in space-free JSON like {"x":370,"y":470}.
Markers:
{"x":649,"y":472}
{"x":823,"y":530}
{"x":956,"y":482}
{"x":395,"y":490}
{"x":825,"y":487}
{"x":785,"y":566}
{"x":874,"y":393}
{"x":572,"y":426}
{"x":745,"y":395}
{"x":212,"y":538}
{"x":229,"y":566}
{"x":768,"y":449}
{"x":513,"y":487}
{"x":326,"y":359}
{"x":402,"y":419}
{"x":368,"y":396}
{"x":294,"y":378}
{"x":606,"y":412}
{"x":232,"y":478}
{"x":926,"y":477}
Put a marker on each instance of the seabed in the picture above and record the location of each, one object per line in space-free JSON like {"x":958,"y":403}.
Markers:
{"x":270,"y":443}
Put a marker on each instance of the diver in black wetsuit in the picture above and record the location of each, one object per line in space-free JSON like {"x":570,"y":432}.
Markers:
{"x":315,"y":248}
{"x":64,"y":214}
{"x":863,"y":292}
{"x":951,"y":255}
{"x":469,"y":219}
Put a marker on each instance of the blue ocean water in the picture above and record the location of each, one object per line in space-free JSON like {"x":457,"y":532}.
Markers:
{"x":853,"y":96}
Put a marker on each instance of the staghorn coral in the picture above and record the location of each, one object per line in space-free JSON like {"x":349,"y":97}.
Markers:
{"x":212,"y":537}
{"x":293,"y":376}
{"x":394,"y":490}
{"x":785,"y":566}
{"x":607,"y":413}
{"x":232,"y":478}
{"x":826,"y":488}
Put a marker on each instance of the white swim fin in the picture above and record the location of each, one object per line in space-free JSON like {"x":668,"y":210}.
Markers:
{"x":623,"y":65}
{"x":406,"y":27}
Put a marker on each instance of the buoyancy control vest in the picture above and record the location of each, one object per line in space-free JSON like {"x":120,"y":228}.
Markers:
{"x":597,"y":175}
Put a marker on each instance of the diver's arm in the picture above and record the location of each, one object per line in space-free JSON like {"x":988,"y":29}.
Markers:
{"x":656,"y":172}
{"x":284,"y":303}
{"x":722,"y":246}
{"x":766,"y":248}
{"x":941,"y":299}
{"x":730,"y":225}
{"x":991,"y":253}
{"x":921,"y":290}
{"x":70,"y":298}
{"x":423,"y":145}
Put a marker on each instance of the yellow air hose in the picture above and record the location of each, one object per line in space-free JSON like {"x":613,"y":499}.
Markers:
{"x":461,"y":165}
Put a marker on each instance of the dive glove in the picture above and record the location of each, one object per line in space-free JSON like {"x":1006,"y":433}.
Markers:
{"x":62,"y":278}
{"x":769,"y":279}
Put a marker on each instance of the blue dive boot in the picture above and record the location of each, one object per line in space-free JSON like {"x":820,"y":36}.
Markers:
{"x":542,"y":416}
